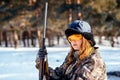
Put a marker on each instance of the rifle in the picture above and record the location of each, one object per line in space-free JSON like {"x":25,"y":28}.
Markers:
{"x":43,"y":56}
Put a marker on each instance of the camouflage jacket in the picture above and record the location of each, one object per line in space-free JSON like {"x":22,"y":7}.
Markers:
{"x":90,"y":68}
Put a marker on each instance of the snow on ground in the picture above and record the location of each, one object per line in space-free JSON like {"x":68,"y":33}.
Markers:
{"x":19,"y":64}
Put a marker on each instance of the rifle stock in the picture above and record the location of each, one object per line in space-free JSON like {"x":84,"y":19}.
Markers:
{"x":43,"y":56}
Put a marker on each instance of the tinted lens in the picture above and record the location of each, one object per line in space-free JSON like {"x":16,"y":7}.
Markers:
{"x":74,"y":37}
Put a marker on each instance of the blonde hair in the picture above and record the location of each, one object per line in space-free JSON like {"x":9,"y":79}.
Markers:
{"x":85,"y":48}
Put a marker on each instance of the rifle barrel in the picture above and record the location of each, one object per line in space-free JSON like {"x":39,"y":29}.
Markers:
{"x":45,"y":20}
{"x":42,"y":56}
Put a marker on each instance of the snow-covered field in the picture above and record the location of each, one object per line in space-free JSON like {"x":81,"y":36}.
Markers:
{"x":19,"y":64}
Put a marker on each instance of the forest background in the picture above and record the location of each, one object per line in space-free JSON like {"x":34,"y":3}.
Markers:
{"x":22,"y":20}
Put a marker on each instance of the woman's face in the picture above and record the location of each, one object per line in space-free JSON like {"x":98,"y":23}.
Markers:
{"x":76,"y":44}
{"x":75,"y":41}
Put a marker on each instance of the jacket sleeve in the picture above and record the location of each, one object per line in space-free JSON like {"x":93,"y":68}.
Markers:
{"x":58,"y":72}
{"x":92,"y":69}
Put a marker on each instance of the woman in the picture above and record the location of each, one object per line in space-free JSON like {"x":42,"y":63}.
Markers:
{"x":83,"y":62}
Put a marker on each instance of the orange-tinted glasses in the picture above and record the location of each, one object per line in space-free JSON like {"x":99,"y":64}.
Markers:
{"x":74,"y":37}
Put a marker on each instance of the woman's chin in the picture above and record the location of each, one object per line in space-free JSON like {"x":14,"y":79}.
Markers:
{"x":75,"y":48}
